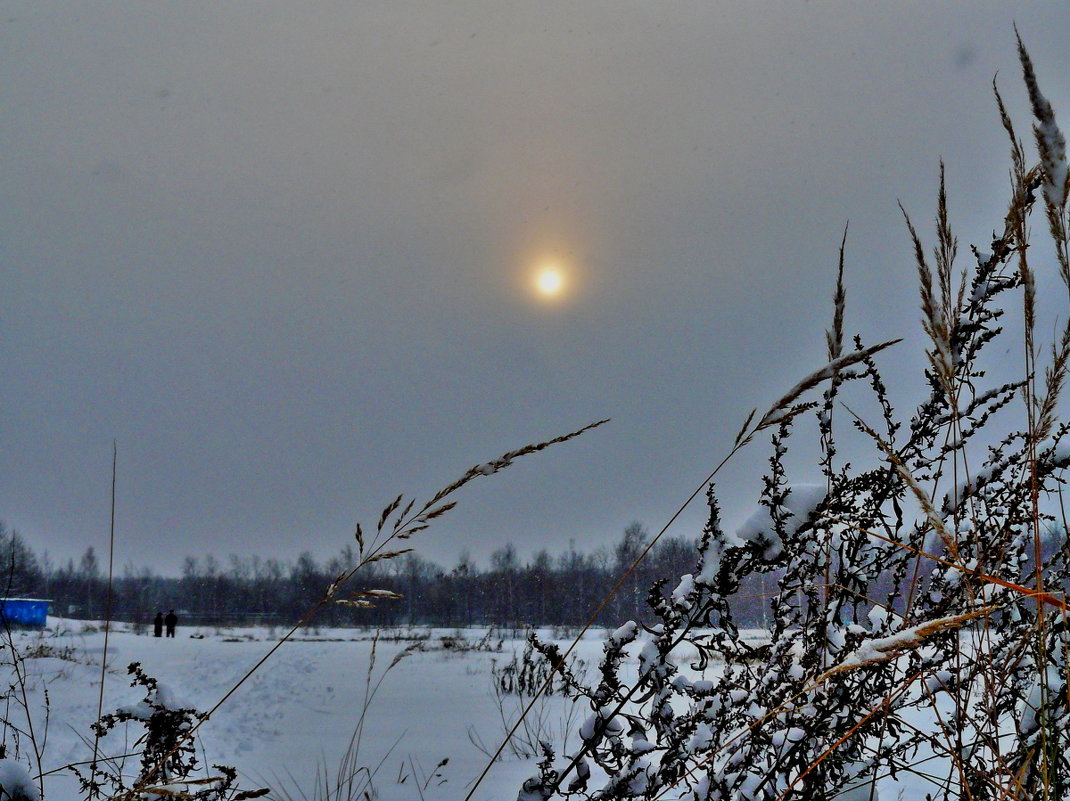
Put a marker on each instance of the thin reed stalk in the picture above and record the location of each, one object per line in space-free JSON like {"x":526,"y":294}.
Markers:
{"x":94,"y":788}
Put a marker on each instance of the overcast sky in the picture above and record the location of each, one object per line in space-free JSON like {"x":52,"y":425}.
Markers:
{"x":282,"y":251}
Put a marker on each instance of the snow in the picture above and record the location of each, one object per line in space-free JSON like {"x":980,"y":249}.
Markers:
{"x":877,"y":616}
{"x":16,"y":783}
{"x":801,"y":502}
{"x":293,"y":719}
{"x":1029,"y":709}
{"x":788,"y":736}
{"x":1055,"y":164}
{"x":683,"y":589}
{"x":162,"y":696}
{"x":624,"y":634}
{"x":641,"y":746}
{"x":297,"y":713}
{"x":701,"y":739}
{"x":940,"y":681}
{"x":880,"y":647}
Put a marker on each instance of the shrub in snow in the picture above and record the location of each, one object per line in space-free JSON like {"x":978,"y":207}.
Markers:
{"x":168,"y":765}
{"x":905,"y":644}
{"x":527,"y":672}
{"x":522,"y":688}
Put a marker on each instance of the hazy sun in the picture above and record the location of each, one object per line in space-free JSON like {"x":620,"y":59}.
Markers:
{"x":549,"y":280}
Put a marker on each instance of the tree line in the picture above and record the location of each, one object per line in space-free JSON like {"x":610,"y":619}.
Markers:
{"x":547,"y":589}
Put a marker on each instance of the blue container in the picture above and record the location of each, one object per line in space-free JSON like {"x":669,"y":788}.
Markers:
{"x":24,"y":612}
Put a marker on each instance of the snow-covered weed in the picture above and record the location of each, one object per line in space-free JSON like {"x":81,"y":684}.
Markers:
{"x":919,"y":630}
{"x":458,"y":643}
{"x":168,"y":763}
{"x":46,"y":650}
{"x":523,"y":691}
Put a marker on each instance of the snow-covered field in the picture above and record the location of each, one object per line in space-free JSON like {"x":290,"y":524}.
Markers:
{"x":293,"y":720}
{"x":297,"y":713}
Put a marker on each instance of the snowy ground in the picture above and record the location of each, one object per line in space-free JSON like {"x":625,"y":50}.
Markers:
{"x":297,"y":713}
{"x":294,"y":718}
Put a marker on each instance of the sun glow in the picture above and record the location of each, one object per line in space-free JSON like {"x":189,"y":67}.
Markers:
{"x":549,"y":279}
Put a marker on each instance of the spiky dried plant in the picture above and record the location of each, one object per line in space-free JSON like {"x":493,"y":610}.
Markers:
{"x":894,"y":654}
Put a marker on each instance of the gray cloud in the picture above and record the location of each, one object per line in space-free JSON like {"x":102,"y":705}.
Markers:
{"x":278,"y":250}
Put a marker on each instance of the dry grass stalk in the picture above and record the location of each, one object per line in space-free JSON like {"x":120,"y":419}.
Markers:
{"x":945,"y":252}
{"x":1051,"y":145}
{"x":882,"y":649}
{"x":934,"y":319}
{"x":503,"y":461}
{"x":107,"y":614}
{"x":1054,"y":380}
{"x":404,"y":526}
{"x":783,"y":408}
{"x":1017,"y":151}
{"x":196,"y":786}
{"x":834,"y":337}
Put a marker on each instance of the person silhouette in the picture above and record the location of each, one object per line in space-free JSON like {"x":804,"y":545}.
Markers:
{"x":157,"y":625}
{"x":171,"y":620}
